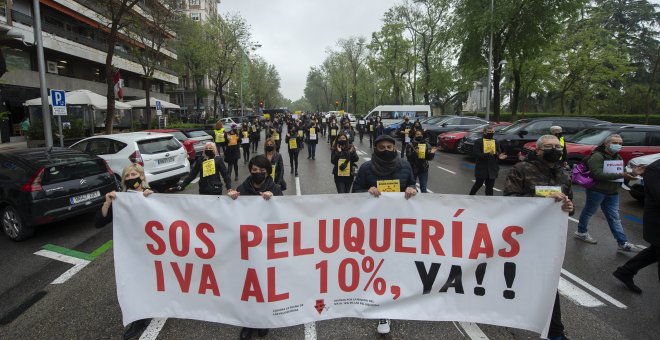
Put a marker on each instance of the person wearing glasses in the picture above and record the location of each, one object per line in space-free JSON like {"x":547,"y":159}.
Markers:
{"x":608,"y":176}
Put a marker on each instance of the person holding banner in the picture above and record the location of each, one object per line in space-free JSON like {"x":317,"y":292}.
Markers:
{"x":344,"y":159}
{"x":245,"y":142}
{"x":277,"y":172}
{"x":293,"y":144}
{"x":419,"y":152}
{"x":607,"y":169}
{"x":312,"y":139}
{"x":487,"y":154}
{"x":542,"y":176}
{"x":133,"y":179}
{"x":233,"y":152}
{"x":210,"y":167}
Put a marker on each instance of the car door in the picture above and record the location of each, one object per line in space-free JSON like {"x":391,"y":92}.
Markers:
{"x":634,"y":144}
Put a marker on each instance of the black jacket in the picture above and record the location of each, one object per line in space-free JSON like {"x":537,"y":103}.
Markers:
{"x":487,"y":165}
{"x":278,"y":164}
{"x":418,"y":165}
{"x":652,"y":203}
{"x":352,"y":157}
{"x":246,"y":188}
{"x":212,"y":184}
{"x":402,"y":129}
{"x":366,"y":178}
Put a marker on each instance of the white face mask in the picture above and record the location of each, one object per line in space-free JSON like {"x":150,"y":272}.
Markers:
{"x":614,"y":148}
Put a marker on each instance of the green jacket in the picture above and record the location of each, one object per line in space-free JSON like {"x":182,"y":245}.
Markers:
{"x":604,"y":182}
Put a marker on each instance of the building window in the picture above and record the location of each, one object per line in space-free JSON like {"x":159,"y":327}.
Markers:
{"x":195,"y":16}
{"x":194,"y":2}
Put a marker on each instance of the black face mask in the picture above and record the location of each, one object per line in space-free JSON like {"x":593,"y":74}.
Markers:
{"x":559,"y":135}
{"x":419,"y":139}
{"x":489,"y":135}
{"x":209,"y":153}
{"x":133,"y":183}
{"x":387,"y":155}
{"x":552,"y":155}
{"x":347,"y":126}
{"x":258,"y":177}
{"x":269,"y":148}
{"x":343,"y":142}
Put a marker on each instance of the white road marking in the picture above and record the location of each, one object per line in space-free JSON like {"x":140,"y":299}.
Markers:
{"x":367,"y":158}
{"x":77,"y":263}
{"x":458,"y":328}
{"x":298,"y":191}
{"x":154,"y":328}
{"x":473,"y":331}
{"x":449,"y":171}
{"x":593,"y":289}
{"x":574,"y":220}
{"x":194,"y":181}
{"x":577,"y":295}
{"x":310,"y":327}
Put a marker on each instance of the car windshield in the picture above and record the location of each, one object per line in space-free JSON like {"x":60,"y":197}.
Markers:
{"x":178,"y":135}
{"x":434,"y":120}
{"x":478,"y":128}
{"x":513,"y":128}
{"x":73,"y":170}
{"x":159,"y":145}
{"x":590,"y":136}
{"x":197,"y":134}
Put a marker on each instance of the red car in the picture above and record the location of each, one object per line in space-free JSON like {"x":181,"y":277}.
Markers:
{"x":638,"y":140}
{"x":449,"y":141}
{"x":188,"y":143}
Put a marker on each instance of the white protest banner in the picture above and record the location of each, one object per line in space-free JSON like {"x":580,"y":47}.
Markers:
{"x":293,"y":260}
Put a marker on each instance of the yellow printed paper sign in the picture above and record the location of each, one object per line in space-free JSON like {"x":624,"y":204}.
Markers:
{"x":421,"y":151}
{"x":300,"y":133}
{"x":371,"y":128}
{"x":233,"y":140}
{"x":312,"y":131}
{"x":208,"y":168}
{"x":246,"y":134}
{"x":254,"y":128}
{"x":347,"y":171}
{"x":545,"y":191}
{"x":489,"y":146}
{"x":276,"y":136}
{"x":293,"y":144}
{"x":393,"y":185}
{"x":333,"y":132}
{"x":272,"y":172}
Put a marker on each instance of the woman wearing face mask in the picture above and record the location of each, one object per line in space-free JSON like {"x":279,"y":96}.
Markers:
{"x":245,"y":142}
{"x":211,"y":169}
{"x":347,"y":129}
{"x":418,"y":153}
{"x":277,"y":172}
{"x":344,"y":159}
{"x":255,"y":136}
{"x":259,"y":183}
{"x":380,"y":128}
{"x":333,"y":131}
{"x":133,"y":179}
{"x":233,"y":152}
{"x":312,"y":140}
{"x":293,"y":143}
{"x":487,"y":154}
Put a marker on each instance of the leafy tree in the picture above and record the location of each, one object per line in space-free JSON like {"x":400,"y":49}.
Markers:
{"x":390,"y":56}
{"x":193,"y":54}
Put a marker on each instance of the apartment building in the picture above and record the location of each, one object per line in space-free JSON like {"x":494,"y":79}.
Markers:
{"x":74,"y":35}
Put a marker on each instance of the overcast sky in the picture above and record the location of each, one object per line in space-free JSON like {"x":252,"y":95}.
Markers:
{"x":294,"y":34}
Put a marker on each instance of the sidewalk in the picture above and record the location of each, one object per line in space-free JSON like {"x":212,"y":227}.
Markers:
{"x":15,"y":143}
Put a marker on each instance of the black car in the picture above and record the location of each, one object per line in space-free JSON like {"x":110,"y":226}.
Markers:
{"x":513,"y":137}
{"x":452,"y":123}
{"x":40,"y":186}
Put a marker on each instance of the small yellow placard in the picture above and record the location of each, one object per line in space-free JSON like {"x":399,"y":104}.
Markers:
{"x":276,"y":136}
{"x":246,"y":134}
{"x":233,"y":140}
{"x":272,"y":172}
{"x":545,"y":191}
{"x":393,"y":185}
{"x":347,"y":171}
{"x":293,"y":143}
{"x":312,"y":131}
{"x":300,"y":133}
{"x":421,"y":151}
{"x":371,"y":128}
{"x":489,"y":146}
{"x":254,"y":128}
{"x":208,"y":168}
{"x":333,"y":132}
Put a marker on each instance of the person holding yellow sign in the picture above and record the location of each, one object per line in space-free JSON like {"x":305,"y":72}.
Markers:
{"x":277,"y":172}
{"x":293,"y":142}
{"x":211,"y":170}
{"x":233,"y":152}
{"x":245,"y":142}
{"x":403,"y":133}
{"x":419,"y":152}
{"x":220,"y":136}
{"x":312,"y":136}
{"x":487,"y":154}
{"x":333,"y":132}
{"x":344,"y":157}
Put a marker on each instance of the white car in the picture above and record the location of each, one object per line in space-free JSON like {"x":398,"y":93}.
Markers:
{"x":636,"y":186}
{"x":164,"y":158}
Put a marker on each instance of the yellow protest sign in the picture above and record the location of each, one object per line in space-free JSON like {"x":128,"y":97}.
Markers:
{"x":347,"y":171}
{"x":333,"y":132}
{"x":312,"y":131}
{"x":545,"y":191}
{"x":489,"y":146}
{"x":276,"y":136}
{"x":371,"y":128}
{"x":421,"y":151}
{"x":233,"y":140}
{"x":393,"y":185}
{"x":272,"y":172}
{"x":208,"y":168}
{"x":254,"y":128}
{"x":246,"y":134}
{"x":293,"y":143}
{"x":300,"y":133}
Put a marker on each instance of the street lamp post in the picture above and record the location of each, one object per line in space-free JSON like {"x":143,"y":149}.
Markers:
{"x":490,"y":59}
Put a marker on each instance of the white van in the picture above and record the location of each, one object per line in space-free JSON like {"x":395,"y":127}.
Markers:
{"x":392,"y":113}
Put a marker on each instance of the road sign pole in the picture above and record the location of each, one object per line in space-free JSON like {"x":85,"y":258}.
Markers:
{"x":42,"y":74}
{"x":59,"y":121}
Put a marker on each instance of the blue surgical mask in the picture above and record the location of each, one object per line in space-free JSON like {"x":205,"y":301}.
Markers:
{"x":614,"y":148}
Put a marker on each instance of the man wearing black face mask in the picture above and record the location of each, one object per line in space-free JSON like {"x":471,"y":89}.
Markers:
{"x":557,"y":132}
{"x":419,"y":152}
{"x":404,"y":133}
{"x":487,"y":153}
{"x":211,"y":170}
{"x":543,"y":177}
{"x":344,"y":158}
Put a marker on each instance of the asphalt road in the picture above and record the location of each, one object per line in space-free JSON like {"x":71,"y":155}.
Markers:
{"x":594,"y":304}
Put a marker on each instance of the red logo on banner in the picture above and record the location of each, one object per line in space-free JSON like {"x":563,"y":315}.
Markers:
{"x":320,"y":306}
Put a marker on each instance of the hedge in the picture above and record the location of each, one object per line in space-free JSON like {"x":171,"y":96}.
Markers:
{"x":630,"y":119}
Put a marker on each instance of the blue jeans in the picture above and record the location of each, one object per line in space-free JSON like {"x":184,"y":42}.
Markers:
{"x":423,"y":177}
{"x":610,"y":206}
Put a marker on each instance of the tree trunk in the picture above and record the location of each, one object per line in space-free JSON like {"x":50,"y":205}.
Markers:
{"x":147,"y":109}
{"x":651,"y":86}
{"x":223,"y":101}
{"x":215,"y":100}
{"x":497,"y":75}
{"x":110,"y":76}
{"x":515,"y":98}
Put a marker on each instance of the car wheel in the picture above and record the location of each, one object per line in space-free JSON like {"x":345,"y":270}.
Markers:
{"x":13,"y":225}
{"x":459,"y":146}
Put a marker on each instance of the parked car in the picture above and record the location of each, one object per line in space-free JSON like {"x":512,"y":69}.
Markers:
{"x":453,"y":140}
{"x":636,"y":186}
{"x":189,"y":144}
{"x":199,"y":135}
{"x":513,"y":137}
{"x":228,"y":121}
{"x":452,"y":123}
{"x":638,"y":140}
{"x":391,"y":129}
{"x":38,"y":186}
{"x":163,"y":157}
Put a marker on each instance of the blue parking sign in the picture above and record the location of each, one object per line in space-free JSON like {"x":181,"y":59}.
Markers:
{"x":159,"y":108}
{"x":58,"y":100}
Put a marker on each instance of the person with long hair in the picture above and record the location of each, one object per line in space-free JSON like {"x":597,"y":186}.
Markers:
{"x":277,"y":172}
{"x":211,"y":170}
{"x":344,"y":159}
{"x":233,"y":152}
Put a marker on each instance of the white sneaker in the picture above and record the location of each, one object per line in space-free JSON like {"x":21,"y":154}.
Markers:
{"x":629,"y":248}
{"x":383,"y":326}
